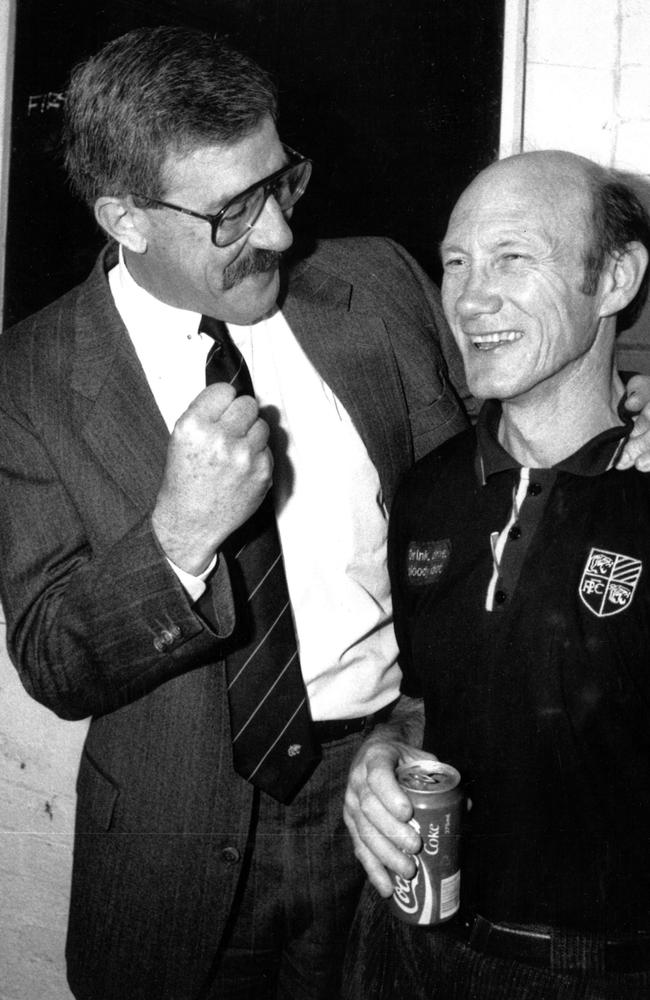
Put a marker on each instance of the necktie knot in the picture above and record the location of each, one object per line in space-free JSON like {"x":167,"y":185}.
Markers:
{"x":224,"y":362}
{"x":215,"y":328}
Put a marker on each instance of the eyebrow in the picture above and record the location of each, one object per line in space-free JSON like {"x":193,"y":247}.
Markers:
{"x":448,"y":248}
{"x":501,"y":243}
{"x":233,"y":197}
{"x":507,"y":241}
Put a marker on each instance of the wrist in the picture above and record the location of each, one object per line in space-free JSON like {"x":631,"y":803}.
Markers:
{"x":181,"y":550}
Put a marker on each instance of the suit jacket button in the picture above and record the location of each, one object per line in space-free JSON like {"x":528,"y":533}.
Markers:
{"x":230,"y":855}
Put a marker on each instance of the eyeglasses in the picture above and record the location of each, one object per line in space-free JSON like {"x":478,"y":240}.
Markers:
{"x":240,"y":214}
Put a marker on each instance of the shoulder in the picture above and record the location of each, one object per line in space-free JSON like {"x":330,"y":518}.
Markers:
{"x":38,"y":350}
{"x":32,"y":349}
{"x":362,"y":253}
{"x":44,"y":318}
{"x":371,"y":262}
{"x":456,"y":453}
{"x":453,"y":461}
{"x":60,"y":316}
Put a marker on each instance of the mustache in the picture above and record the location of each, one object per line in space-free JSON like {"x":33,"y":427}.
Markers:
{"x":255,"y":262}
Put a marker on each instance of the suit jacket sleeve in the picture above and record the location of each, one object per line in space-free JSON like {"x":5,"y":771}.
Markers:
{"x":95,"y":615}
{"x":438,"y":330}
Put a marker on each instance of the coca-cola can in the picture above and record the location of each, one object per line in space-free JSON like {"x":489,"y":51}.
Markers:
{"x":433,"y":894}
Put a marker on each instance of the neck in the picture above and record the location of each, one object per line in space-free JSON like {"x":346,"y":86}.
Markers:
{"x":544,"y":427}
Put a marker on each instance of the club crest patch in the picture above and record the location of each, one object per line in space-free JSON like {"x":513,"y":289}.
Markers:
{"x":608,"y":582}
{"x":425,"y":561}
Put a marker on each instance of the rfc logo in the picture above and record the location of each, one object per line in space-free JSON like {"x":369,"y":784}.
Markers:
{"x":608,"y":582}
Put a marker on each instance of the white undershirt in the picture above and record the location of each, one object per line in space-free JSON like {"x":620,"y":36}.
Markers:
{"x":331,"y":519}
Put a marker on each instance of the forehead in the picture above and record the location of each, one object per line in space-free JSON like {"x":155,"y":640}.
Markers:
{"x":524,"y":202}
{"x":218,"y":171}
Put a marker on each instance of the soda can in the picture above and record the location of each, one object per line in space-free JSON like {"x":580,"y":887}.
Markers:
{"x":433,"y":894}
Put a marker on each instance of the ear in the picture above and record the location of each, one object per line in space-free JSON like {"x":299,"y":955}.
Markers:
{"x":123,"y":221}
{"x":622,"y":278}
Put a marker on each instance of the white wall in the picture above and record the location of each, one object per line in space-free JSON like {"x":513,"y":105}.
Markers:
{"x":577,"y":77}
{"x":38,"y":763}
{"x":588,"y":80}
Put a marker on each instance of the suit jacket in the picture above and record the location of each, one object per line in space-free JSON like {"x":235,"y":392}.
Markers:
{"x":98,"y":624}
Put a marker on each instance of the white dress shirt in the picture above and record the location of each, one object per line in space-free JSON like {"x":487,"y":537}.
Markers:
{"x":331,"y":519}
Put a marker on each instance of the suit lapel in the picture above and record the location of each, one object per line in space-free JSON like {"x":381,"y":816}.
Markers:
{"x":123,"y":426}
{"x":119,"y":417}
{"x":352,"y":352}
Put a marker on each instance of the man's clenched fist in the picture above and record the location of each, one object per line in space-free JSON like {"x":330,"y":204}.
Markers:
{"x":218,"y":471}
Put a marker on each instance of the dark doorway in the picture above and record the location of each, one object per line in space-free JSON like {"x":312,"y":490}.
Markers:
{"x":397,"y":102}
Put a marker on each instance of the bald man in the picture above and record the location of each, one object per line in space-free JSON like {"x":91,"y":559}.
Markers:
{"x":524,"y":642}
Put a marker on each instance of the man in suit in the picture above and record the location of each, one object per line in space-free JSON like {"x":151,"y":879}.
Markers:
{"x":125,"y":480}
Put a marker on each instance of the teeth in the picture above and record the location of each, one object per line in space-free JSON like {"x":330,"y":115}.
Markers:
{"x":503,"y":336}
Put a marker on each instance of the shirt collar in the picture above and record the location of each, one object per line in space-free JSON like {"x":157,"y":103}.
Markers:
{"x":143,"y":313}
{"x":591,"y":459}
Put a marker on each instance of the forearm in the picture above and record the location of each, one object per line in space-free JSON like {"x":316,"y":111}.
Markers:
{"x":95,"y":615}
{"x":405,"y":723}
{"x":440,"y":341}
{"x":377,"y":811}
{"x":110,"y":627}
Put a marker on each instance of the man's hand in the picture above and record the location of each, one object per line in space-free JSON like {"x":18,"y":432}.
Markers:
{"x":217,"y":473}
{"x":637,"y":449}
{"x":377,"y":811}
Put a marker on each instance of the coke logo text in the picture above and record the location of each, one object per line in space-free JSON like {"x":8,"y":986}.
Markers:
{"x":432,"y":842}
{"x":405,"y":894}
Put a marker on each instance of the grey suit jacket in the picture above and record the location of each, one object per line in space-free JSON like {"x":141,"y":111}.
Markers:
{"x":98,"y":624}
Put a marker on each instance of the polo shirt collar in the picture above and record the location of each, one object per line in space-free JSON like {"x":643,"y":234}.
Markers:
{"x":591,"y":459}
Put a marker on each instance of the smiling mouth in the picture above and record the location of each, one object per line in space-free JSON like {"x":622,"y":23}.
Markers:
{"x":491,"y":341}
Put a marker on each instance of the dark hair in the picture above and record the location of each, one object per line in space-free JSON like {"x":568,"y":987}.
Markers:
{"x":152,"y":92}
{"x":618,"y":217}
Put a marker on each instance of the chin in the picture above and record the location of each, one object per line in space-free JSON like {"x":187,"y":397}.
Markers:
{"x":492,"y":384}
{"x":253,"y":298}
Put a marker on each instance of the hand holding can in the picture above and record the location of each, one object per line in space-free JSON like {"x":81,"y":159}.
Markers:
{"x":433,"y":894}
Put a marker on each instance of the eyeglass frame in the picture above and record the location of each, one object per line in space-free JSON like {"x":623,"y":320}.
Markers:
{"x":267,"y":183}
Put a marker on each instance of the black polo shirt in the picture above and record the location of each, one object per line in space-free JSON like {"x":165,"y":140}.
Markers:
{"x":523,"y":621}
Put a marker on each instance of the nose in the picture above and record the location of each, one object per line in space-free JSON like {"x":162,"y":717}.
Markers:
{"x":271,"y":231}
{"x":476,"y":294}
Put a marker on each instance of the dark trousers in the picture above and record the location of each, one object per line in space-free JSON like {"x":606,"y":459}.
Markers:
{"x":390,"y":960}
{"x":288,"y":936}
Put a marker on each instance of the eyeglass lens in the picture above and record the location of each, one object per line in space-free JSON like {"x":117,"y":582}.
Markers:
{"x":245,"y":211}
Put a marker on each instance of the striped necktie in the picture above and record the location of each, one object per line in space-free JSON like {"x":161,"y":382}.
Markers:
{"x":274,"y":746}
